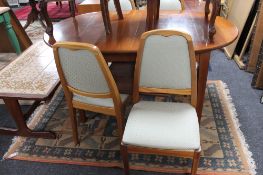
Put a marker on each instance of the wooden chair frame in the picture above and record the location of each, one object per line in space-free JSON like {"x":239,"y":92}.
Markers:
{"x":125,"y":148}
{"x":116,"y":111}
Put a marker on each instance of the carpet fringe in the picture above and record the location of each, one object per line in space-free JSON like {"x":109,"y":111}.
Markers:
{"x":237,"y":125}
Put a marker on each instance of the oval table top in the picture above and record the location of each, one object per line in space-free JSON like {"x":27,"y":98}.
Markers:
{"x":126,"y":33}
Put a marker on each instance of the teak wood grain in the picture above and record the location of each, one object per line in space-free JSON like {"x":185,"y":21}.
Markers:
{"x":126,"y":33}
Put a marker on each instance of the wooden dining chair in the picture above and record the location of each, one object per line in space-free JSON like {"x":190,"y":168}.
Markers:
{"x":87,"y":83}
{"x":165,"y":64}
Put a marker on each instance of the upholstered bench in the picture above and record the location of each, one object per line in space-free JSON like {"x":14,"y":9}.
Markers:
{"x":32,"y":76}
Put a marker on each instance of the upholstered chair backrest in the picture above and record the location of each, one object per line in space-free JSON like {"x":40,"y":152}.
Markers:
{"x":166,"y":63}
{"x":82,"y":70}
{"x":126,"y":5}
{"x":174,"y":5}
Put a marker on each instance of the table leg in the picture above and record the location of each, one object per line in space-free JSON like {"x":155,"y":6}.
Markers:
{"x":22,"y":129}
{"x":105,"y":15}
{"x":118,"y":8}
{"x":33,"y":15}
{"x":201,"y":81}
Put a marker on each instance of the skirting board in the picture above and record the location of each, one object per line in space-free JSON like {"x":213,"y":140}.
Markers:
{"x":239,"y":62}
{"x":239,"y":19}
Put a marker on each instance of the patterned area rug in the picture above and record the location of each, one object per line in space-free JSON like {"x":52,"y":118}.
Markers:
{"x":224,"y":151}
{"x":54,"y":11}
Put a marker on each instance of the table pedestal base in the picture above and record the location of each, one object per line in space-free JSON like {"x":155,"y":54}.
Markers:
{"x":34,"y":15}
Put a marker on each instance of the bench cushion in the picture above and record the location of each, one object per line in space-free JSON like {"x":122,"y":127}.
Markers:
{"x":4,"y":9}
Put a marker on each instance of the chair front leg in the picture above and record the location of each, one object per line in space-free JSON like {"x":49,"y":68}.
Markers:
{"x":125,"y":159}
{"x":195,"y":163}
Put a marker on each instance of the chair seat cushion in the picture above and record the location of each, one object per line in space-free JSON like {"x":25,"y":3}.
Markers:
{"x":163,"y":125}
{"x":107,"y":102}
{"x":4,"y":9}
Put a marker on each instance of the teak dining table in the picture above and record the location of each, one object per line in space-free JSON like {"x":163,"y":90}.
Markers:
{"x":122,"y":44}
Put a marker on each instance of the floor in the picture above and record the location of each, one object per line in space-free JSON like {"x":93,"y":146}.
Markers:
{"x":248,"y":108}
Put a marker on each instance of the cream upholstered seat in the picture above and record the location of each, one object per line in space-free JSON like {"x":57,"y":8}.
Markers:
{"x":165,"y":64}
{"x":88,"y":83}
{"x":162,"y":125}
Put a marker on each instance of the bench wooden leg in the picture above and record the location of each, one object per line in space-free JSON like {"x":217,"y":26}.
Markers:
{"x":22,"y":129}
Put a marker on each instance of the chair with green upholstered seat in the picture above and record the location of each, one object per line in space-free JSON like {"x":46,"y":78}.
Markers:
{"x":5,"y":18}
